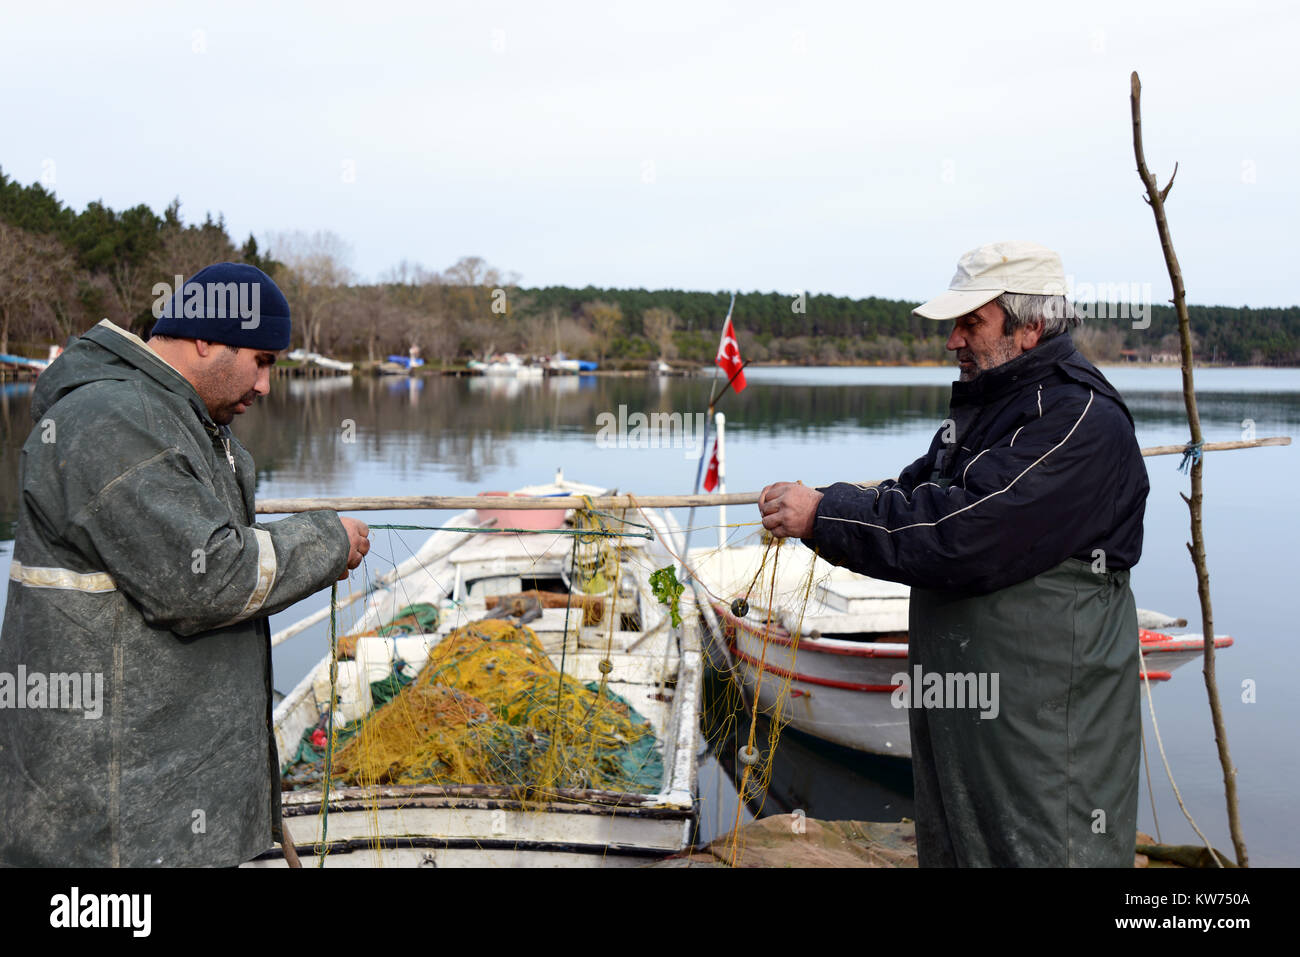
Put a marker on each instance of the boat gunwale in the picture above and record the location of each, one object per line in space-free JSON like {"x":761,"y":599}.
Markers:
{"x":302,"y":802}
{"x":353,"y":845}
{"x":829,"y":646}
{"x":810,"y":679}
{"x":1150,"y":641}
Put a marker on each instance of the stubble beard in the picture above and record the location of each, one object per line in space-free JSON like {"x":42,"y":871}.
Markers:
{"x":1004,"y":350}
{"x":216,"y":382}
{"x":226,"y":413}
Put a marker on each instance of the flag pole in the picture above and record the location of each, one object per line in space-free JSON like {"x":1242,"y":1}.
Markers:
{"x":704,"y":446}
{"x":721,"y":421}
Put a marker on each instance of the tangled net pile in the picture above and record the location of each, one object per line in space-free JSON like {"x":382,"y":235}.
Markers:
{"x":489,"y":707}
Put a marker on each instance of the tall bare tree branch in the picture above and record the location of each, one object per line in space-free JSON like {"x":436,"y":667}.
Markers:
{"x":1156,"y":199}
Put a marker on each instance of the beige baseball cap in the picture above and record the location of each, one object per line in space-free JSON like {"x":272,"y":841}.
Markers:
{"x":984,"y":274}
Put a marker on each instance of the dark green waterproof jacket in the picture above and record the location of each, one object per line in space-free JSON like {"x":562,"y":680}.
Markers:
{"x":138,"y":570}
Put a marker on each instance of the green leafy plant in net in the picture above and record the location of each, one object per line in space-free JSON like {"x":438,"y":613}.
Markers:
{"x":666,"y":588}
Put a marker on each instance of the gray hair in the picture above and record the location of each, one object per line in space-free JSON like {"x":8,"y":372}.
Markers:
{"x":1022,"y":309}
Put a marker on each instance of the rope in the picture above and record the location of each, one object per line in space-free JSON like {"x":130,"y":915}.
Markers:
{"x":617,"y":518}
{"x":1151,"y":791}
{"x":753,"y":718}
{"x":564,"y":639}
{"x":329,"y":747}
{"x":1146,"y":680}
{"x":1191,"y":455}
{"x":761,"y":565}
{"x":611,"y":610}
{"x":748,"y":756}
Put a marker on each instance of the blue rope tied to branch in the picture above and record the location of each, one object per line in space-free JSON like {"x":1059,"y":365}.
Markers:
{"x":1191,"y":455}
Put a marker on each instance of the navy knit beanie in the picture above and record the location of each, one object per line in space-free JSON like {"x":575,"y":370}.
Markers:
{"x":232,"y":303}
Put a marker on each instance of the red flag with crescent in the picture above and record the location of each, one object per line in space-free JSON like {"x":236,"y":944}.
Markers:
{"x":729,"y":357}
{"x":711,"y":477}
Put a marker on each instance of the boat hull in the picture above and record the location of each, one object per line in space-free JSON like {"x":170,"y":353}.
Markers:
{"x":841,"y":690}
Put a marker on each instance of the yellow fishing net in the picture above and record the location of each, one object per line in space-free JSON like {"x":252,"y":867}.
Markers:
{"x":489,"y":707}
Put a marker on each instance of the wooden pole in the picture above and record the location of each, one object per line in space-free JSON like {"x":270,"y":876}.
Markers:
{"x":362,"y":503}
{"x":720,"y":429}
{"x":1218,"y":446}
{"x":1155,"y":198}
{"x":708,"y":423}
{"x":287,"y":845}
{"x":276,"y":506}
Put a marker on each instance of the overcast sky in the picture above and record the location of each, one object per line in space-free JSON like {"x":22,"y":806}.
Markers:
{"x":848,"y":148}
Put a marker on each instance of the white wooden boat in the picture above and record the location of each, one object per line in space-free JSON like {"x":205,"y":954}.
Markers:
{"x":511,"y":365}
{"x":852,"y":641}
{"x":559,"y":364}
{"x":316,"y":359}
{"x":656,"y":668}
{"x":23,"y":362}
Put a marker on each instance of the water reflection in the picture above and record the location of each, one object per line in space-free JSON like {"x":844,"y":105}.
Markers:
{"x":450,"y":435}
{"x":823,"y":780}
{"x":302,"y":388}
{"x":466,"y":428}
{"x":503,"y":387}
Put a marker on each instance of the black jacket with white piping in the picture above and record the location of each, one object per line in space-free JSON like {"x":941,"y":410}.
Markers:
{"x":1016,"y":532}
{"x":1036,"y":463}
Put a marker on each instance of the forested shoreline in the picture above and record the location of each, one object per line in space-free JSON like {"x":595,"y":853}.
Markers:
{"x":62,"y":270}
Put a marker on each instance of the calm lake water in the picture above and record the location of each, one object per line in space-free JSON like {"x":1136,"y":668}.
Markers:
{"x":460,"y":436}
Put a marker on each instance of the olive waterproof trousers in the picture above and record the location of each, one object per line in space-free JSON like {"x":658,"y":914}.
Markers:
{"x":1042,"y":770}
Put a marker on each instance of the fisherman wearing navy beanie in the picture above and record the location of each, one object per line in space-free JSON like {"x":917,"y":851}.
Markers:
{"x":143,"y":516}
{"x":231,"y":303}
{"x":227,"y":304}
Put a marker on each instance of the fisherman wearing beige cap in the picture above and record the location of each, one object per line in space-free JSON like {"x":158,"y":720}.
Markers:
{"x":1016,"y":532}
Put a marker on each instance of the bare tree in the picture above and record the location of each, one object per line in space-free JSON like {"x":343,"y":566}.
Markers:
{"x":605,"y":318}
{"x":470,"y":271}
{"x":660,"y":324}
{"x":422,"y":319}
{"x":1155,"y":198}
{"x":479,"y":337}
{"x":132,"y":288}
{"x":37,"y":276}
{"x":433,"y":332}
{"x":475,"y":290}
{"x":314,"y":276}
{"x":536,"y":335}
{"x":371,"y":315}
{"x":185,"y":250}
{"x":572,"y":337}
{"x":1099,"y":343}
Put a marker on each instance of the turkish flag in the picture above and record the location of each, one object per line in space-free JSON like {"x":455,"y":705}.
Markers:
{"x":729,"y":357}
{"x":711,"y":477}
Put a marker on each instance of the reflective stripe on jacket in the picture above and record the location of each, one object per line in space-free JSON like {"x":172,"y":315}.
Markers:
{"x":137,"y":559}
